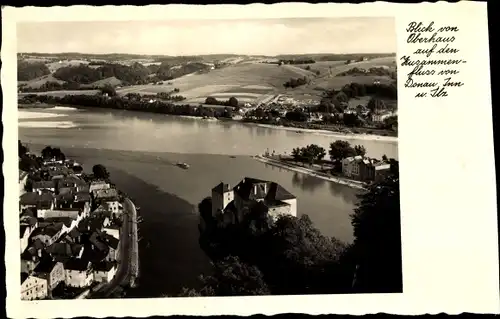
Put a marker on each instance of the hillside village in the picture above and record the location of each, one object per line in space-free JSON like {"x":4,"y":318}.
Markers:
{"x":69,"y":228}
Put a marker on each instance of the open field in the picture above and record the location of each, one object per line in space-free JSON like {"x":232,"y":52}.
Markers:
{"x":38,"y":82}
{"x":243,"y":81}
{"x":245,"y":78}
{"x":108,"y":81}
{"x":54,"y":66}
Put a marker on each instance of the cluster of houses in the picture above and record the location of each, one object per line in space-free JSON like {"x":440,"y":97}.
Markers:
{"x":364,"y":169}
{"x":231,"y":204}
{"x":69,"y":231}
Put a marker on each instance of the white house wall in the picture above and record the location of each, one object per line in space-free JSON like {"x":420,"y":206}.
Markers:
{"x":293,"y":206}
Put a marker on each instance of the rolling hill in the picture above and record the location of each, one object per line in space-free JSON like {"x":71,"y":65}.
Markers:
{"x":248,"y":78}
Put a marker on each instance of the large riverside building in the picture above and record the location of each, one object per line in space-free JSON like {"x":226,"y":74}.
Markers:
{"x":250,"y":191}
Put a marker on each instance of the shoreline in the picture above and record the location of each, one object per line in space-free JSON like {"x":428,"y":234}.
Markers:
{"x":332,"y":133}
{"x":360,"y":136}
{"x":310,"y":172}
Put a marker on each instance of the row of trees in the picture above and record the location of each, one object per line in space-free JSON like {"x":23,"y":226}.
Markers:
{"x":295,"y":82}
{"x":291,"y":256}
{"x":309,"y":153}
{"x":30,"y":162}
{"x":342,"y":149}
{"x":335,"y":101}
{"x":233,"y":102}
{"x":317,"y":72}
{"x":297,"y":61}
{"x":54,"y":86}
{"x":80,"y":75}
{"x":116,"y":102}
{"x":338,"y":151}
{"x":375,"y":71}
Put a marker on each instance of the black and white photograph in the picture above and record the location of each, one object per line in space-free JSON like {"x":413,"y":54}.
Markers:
{"x":210,"y":157}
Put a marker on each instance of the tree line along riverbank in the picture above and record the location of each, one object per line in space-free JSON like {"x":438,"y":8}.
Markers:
{"x":184,"y":109}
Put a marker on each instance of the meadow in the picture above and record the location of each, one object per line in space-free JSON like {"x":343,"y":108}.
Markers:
{"x":244,"y":78}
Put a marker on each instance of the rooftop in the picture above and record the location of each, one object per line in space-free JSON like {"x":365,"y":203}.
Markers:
{"x":109,"y":240}
{"x":103,"y":266}
{"x":252,"y":188}
{"x":46,"y":265}
{"x":28,"y":220}
{"x":49,"y":230}
{"x":44,"y":184}
{"x":32,"y":198}
{"x":96,"y":241}
{"x":77,"y":264}
{"x":221,"y":188}
{"x":106,"y":193}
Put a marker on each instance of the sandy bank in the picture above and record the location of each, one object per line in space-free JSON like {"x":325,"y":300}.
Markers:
{"x":303,"y":170}
{"x":366,"y":137}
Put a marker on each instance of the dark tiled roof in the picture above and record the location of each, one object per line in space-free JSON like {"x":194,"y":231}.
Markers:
{"x":29,"y":253}
{"x":90,"y":224}
{"x":58,"y":221}
{"x":65,"y":197}
{"x":74,"y":233}
{"x":96,"y":241}
{"x":103,"y":266}
{"x":76,"y":264}
{"x":110,"y":240}
{"x":107,"y":194}
{"x":38,"y":244}
{"x":92,"y":255}
{"x":245,"y":189}
{"x":29,"y":198}
{"x":277,"y":192}
{"x":274,"y":203}
{"x":60,"y":249}
{"x":22,"y":229}
{"x":49,"y":230}
{"x":253,"y":189}
{"x":82,"y":197}
{"x":24,"y":276}
{"x":46,"y":265}
{"x":32,"y":198}
{"x":221,"y":188}
{"x":44,"y":184}
{"x":28,"y":220}
{"x":29,"y":212}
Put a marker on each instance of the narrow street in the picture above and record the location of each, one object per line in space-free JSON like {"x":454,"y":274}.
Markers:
{"x":122,"y":275}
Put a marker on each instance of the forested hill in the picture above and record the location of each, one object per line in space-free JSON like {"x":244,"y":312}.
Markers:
{"x":29,"y":71}
{"x":84,"y":74}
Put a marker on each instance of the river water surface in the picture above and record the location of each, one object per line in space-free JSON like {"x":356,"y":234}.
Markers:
{"x":140,"y":149}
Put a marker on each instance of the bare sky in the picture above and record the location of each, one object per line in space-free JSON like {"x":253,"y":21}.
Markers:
{"x":192,"y":37}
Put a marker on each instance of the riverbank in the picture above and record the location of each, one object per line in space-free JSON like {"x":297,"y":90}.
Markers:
{"x":367,"y":134}
{"x":332,"y":133}
{"x":338,"y":180}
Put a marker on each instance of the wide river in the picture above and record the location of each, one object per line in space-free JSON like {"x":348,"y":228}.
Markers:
{"x":140,"y":149}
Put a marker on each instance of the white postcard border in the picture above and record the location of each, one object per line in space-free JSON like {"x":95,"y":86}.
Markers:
{"x":448,"y":191}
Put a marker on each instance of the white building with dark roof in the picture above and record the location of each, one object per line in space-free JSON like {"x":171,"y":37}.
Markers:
{"x":33,"y":287}
{"x":270,"y":196}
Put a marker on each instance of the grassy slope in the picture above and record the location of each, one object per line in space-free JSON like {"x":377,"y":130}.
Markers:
{"x":234,"y":77}
{"x":227,"y":78}
{"x":38,"y":82}
{"x":113,"y":81}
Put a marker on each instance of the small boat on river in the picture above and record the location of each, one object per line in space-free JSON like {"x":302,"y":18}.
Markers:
{"x":183,"y":165}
